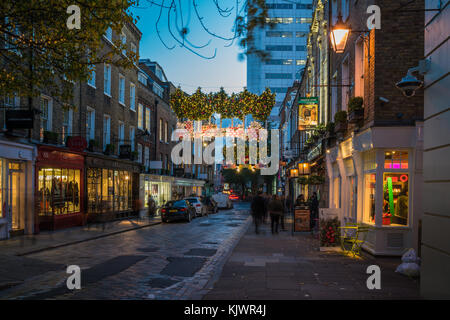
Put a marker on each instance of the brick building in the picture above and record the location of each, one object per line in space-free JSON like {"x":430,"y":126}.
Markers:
{"x":371,"y":156}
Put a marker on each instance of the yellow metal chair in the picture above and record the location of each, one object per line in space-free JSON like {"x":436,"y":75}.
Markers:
{"x":353,"y":236}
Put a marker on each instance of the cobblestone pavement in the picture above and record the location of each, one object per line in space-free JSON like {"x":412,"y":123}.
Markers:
{"x":167,"y":261}
{"x":281,"y":266}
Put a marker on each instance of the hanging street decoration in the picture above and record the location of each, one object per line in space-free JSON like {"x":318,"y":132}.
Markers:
{"x":201,"y":106}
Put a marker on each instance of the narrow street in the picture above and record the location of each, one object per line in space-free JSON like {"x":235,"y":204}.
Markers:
{"x":167,"y":261}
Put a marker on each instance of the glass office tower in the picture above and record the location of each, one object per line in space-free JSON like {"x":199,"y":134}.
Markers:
{"x":286,"y":43}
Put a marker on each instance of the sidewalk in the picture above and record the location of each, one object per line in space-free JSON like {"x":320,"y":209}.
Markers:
{"x":27,"y":244}
{"x":15,"y":267}
{"x":283,"y":266}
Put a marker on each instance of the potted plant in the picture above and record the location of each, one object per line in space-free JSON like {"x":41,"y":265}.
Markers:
{"x":109,"y":149}
{"x":92,"y":145}
{"x":356,"y":109}
{"x":50,"y":137}
{"x":340,"y":120}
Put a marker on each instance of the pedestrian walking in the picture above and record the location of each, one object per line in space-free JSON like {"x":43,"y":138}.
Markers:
{"x":286,"y":209}
{"x":151,"y":207}
{"x":300,"y":201}
{"x":313,"y":211}
{"x":258,"y":210}
{"x":275,"y":209}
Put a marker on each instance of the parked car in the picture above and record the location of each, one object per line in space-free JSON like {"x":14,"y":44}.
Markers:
{"x":210,"y":204}
{"x":223,"y":201}
{"x":200,"y":210}
{"x":177,"y":210}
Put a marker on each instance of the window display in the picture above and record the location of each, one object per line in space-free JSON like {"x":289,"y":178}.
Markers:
{"x":395,"y":199}
{"x":369,"y":198}
{"x":108,"y":190}
{"x":59,"y":191}
{"x":396,"y":160}
{"x":159,"y":191}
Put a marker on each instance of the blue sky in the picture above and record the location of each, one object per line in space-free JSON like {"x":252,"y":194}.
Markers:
{"x":180,"y":65}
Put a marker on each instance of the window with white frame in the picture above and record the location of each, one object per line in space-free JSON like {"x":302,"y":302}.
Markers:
{"x":161,"y":130}
{"x":45,"y":116}
{"x":345,"y":80}
{"x":123,"y":40}
{"x":359,"y":68}
{"x":108,"y":34}
{"x":106,"y":130}
{"x":91,"y":80}
{"x":133,"y":48}
{"x":132,"y":96}
{"x":139,"y":147}
{"x":67,"y":124}
{"x":142,"y":78}
{"x":140,"y":116}
{"x":90,"y":124}
{"x":147,"y":119}
{"x":121,"y":89}
{"x":121,"y":133}
{"x":132,"y":134}
{"x":107,"y":79}
{"x":166,"y":132}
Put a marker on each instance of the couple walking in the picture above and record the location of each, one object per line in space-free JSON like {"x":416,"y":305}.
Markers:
{"x":274,"y":207}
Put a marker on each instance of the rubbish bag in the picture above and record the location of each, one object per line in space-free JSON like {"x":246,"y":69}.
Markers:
{"x":409,"y":265}
{"x":409,"y":256}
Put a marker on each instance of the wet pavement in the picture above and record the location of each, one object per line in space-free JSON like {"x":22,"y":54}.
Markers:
{"x":176,"y":260}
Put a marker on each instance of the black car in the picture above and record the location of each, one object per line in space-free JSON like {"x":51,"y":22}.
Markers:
{"x":177,"y":210}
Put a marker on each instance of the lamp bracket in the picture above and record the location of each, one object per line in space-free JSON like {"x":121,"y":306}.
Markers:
{"x":422,"y":68}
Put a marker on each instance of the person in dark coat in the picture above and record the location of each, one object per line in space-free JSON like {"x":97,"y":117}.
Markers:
{"x":313,"y":210}
{"x":258,"y":208}
{"x":275,"y":209}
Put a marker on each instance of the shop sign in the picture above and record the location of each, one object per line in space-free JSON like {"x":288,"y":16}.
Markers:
{"x":77,"y":143}
{"x":315,"y":152}
{"x":307,"y":114}
{"x":19,"y":119}
{"x":308,"y":100}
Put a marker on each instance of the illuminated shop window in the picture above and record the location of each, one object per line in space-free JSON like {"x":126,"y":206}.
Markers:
{"x":396,"y":160}
{"x":395,"y":199}
{"x":59,"y":191}
{"x":369,"y":198}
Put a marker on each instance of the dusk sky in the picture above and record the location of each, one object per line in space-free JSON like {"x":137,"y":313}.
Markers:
{"x":183,"y":67}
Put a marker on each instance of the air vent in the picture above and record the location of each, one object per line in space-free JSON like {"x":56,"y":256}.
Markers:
{"x":395,"y":240}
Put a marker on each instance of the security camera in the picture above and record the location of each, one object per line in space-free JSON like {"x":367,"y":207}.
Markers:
{"x":409,"y":84}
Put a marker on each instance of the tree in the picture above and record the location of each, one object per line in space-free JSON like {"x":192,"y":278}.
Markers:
{"x":39,"y":53}
{"x":241,"y":177}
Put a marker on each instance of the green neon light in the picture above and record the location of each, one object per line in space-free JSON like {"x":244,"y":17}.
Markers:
{"x":391,"y":197}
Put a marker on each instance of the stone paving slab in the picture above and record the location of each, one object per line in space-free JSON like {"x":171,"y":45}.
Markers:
{"x":46,"y":240}
{"x":282,"y":266}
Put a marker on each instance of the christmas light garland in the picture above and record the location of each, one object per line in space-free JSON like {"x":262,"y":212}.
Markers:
{"x":201,"y":106}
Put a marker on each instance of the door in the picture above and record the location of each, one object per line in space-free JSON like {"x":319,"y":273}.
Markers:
{"x":15,"y":182}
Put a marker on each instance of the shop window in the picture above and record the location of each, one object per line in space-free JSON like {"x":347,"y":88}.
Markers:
{"x":369,"y":198}
{"x":396,"y":160}
{"x":395,"y":199}
{"x":59,"y":191}
{"x":108,"y":190}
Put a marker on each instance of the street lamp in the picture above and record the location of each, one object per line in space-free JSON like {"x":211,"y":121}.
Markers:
{"x":339,"y":35}
{"x":303,"y":168}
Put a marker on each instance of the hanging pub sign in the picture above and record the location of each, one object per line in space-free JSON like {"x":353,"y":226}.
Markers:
{"x":19,"y":119}
{"x":307,"y":112}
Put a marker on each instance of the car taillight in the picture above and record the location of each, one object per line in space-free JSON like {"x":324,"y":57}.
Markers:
{"x":183,"y":209}
{"x":163,"y":210}
{"x":198,"y":205}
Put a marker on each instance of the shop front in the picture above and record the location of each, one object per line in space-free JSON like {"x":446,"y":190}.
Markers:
{"x":375,"y":179}
{"x":157,"y":187}
{"x":187,"y":187}
{"x":16,"y":188}
{"x":111,"y":188}
{"x":59,"y":185}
